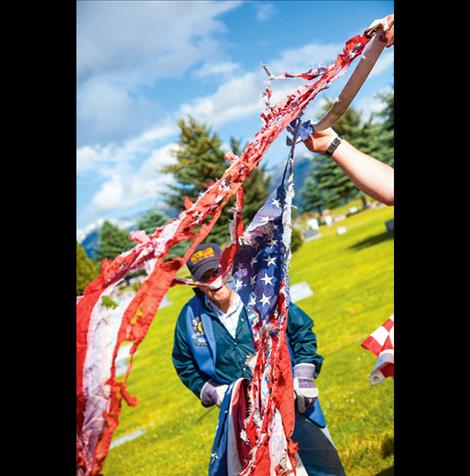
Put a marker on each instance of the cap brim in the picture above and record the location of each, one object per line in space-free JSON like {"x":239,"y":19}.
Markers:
{"x":208,"y":264}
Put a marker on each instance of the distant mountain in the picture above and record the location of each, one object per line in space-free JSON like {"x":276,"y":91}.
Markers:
{"x":302,"y":168}
{"x":91,"y":233}
{"x":91,"y":242}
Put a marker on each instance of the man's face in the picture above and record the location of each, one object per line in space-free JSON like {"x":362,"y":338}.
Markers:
{"x":218,"y":293}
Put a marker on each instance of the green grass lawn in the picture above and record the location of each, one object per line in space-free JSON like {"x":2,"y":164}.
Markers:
{"x":352,"y":279}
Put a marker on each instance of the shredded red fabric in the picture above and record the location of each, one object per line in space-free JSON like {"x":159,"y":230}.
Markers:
{"x":100,"y":331}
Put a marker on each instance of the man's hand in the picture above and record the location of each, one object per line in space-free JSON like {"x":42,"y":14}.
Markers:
{"x":320,"y":141}
{"x":305,"y":389}
{"x":212,"y":393}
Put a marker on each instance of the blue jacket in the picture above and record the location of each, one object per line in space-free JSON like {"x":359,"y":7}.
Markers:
{"x":204,"y":349}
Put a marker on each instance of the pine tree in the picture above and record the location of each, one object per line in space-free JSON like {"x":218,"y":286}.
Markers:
{"x":312,"y":198}
{"x":200,"y":161}
{"x":86,"y":270}
{"x":113,"y":241}
{"x":380,"y":135}
{"x":256,"y":186}
{"x":329,"y":186}
{"x":151,"y":220}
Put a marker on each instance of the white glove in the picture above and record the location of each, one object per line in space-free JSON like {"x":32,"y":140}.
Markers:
{"x":212,"y":393}
{"x":305,"y":389}
{"x":221,"y":389}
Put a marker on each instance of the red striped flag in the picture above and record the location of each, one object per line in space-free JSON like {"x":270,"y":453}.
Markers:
{"x":381,"y":344}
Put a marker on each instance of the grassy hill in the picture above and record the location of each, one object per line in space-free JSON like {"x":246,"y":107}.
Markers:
{"x":352,"y":279}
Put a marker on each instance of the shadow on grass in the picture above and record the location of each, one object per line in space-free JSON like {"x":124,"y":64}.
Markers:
{"x":388,"y":447}
{"x":387,"y":472}
{"x":372,"y":240}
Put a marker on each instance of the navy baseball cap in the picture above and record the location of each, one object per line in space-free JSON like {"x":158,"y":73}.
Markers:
{"x":204,"y":258}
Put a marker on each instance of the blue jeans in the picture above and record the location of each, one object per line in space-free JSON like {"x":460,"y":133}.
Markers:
{"x":316,"y":449}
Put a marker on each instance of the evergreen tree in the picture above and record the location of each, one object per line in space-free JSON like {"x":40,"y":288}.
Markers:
{"x":296,"y":239}
{"x":377,"y":137}
{"x":113,"y":241}
{"x":328,"y":186}
{"x":312,"y":198}
{"x":337,"y":186}
{"x":151,"y":220}
{"x":200,"y":161}
{"x":256,"y":186}
{"x":86,"y":270}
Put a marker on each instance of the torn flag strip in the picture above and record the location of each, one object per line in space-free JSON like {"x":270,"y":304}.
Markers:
{"x":381,"y":343}
{"x":100,"y":332}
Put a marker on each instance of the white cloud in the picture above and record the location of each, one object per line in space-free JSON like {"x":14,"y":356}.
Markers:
{"x":106,"y":111}
{"x":99,"y":158}
{"x":312,"y":55}
{"x":264,"y":11}
{"x":83,"y":232}
{"x":216,"y":69}
{"x":235,"y":99}
{"x":125,"y":46}
{"x":125,"y":36}
{"x":241,"y":96}
{"x":371,"y":104}
{"x":122,"y":191}
{"x":383,"y":63}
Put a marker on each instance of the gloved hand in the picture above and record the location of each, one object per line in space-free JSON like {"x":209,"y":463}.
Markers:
{"x":305,"y":389}
{"x":212,"y":393}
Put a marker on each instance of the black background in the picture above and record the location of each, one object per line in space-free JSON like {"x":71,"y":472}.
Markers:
{"x":39,"y":229}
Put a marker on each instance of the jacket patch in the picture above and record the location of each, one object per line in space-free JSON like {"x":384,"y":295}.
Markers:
{"x":198,"y":332}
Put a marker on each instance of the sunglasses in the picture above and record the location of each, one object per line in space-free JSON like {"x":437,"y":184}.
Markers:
{"x":209,"y":275}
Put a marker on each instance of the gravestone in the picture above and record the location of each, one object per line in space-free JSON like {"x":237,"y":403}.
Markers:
{"x":311,"y":235}
{"x":300,"y":291}
{"x":122,"y":359}
{"x":313,"y":224}
{"x":165,"y":302}
{"x":126,"y":438}
{"x":353,"y":210}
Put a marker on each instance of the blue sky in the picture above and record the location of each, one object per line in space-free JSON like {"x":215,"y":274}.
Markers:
{"x":143,"y":65}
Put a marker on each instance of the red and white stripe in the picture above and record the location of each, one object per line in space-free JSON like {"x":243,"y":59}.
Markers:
{"x":101,"y":331}
{"x":381,"y":344}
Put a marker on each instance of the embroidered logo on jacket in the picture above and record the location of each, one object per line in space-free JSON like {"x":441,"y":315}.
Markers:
{"x":198,"y":332}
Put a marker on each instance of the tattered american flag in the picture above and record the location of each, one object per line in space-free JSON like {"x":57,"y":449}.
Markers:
{"x":381,"y":343}
{"x":261,"y":279}
{"x":101,"y":331}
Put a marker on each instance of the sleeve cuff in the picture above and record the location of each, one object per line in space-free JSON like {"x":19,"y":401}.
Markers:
{"x":305,"y":363}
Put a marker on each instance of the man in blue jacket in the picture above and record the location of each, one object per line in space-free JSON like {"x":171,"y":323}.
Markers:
{"x":213,"y":343}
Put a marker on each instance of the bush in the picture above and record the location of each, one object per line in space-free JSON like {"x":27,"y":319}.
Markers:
{"x":296,"y":239}
{"x":106,"y":301}
{"x":86,"y":270}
